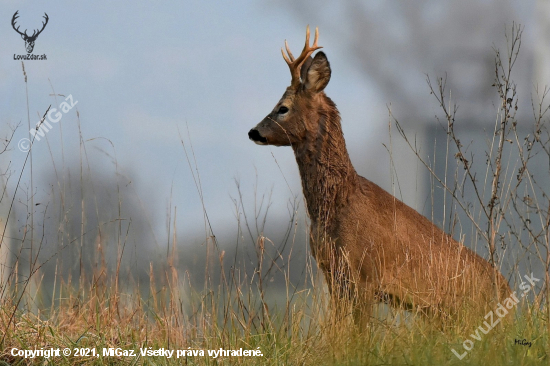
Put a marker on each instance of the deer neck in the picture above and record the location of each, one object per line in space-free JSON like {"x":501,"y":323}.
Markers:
{"x":328,"y":177}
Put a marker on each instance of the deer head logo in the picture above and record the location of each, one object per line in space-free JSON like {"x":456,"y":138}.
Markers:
{"x":29,"y":40}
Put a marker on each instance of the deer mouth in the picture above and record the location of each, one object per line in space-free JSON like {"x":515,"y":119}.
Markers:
{"x":255,"y":136}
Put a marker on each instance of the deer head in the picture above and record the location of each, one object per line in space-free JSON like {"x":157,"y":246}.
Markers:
{"x":29,"y":40}
{"x":293,"y":116}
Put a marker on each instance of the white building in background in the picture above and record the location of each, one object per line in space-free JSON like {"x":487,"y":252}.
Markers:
{"x":541,"y":77}
{"x":5,"y":227}
{"x":5,"y":243}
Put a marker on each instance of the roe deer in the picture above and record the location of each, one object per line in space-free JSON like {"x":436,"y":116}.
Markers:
{"x":370,"y":246}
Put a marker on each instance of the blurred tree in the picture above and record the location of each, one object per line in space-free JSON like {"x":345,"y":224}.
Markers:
{"x":396,"y":43}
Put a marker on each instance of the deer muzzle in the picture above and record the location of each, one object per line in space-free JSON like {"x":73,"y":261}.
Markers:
{"x":255,"y":136}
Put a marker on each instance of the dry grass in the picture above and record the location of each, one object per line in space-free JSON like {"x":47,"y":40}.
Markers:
{"x":99,"y":317}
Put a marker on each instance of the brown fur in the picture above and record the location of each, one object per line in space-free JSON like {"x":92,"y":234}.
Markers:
{"x":370,"y":245}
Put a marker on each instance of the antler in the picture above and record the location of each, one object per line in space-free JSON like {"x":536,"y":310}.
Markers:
{"x":35,"y":34}
{"x":295,"y":65}
{"x":43,"y":26}
{"x":15,"y":16}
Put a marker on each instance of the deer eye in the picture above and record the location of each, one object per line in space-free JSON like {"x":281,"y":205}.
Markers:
{"x":282,"y":110}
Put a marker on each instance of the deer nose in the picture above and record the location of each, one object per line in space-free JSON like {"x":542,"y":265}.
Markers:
{"x":255,"y":136}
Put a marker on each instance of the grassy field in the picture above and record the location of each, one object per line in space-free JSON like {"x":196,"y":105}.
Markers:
{"x":97,"y":316}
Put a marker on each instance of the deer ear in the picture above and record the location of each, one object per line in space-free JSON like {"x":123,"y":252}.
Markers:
{"x":318,"y":73}
{"x":305,"y":68}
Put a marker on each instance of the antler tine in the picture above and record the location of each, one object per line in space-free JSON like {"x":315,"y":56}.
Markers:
{"x":13,"y":19}
{"x":289,"y":54}
{"x":295,"y":64}
{"x":316,"y":39}
{"x":307,"y":38}
{"x":43,"y":24}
